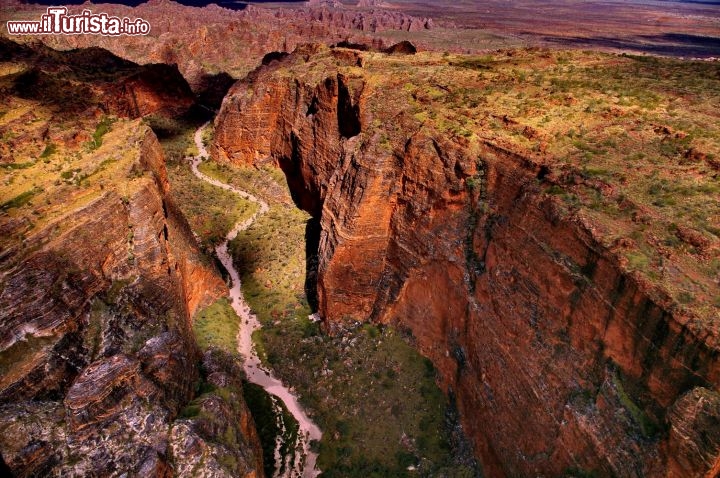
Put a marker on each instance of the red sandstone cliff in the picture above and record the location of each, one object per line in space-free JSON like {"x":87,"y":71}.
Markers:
{"x":204,"y":42}
{"x":100,"y":276}
{"x":561,"y":361}
{"x":98,"y":355}
{"x":79,"y":79}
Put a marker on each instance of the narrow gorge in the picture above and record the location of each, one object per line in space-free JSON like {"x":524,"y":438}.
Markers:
{"x":560,"y":354}
{"x":301,"y":461}
{"x":409,"y":248}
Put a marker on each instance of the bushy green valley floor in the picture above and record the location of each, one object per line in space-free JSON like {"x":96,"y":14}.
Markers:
{"x":372,"y":394}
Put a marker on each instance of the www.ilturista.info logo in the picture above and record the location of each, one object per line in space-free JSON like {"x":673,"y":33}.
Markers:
{"x":57,"y":21}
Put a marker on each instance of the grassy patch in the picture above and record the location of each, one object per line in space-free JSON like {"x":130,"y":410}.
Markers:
{"x":175,"y":135}
{"x":49,"y":150}
{"x":217,"y":326}
{"x":270,"y":255}
{"x":20,"y":200}
{"x":378,"y":400}
{"x":23,"y":165}
{"x":372,"y":394}
{"x":100,"y":130}
{"x":211,"y":211}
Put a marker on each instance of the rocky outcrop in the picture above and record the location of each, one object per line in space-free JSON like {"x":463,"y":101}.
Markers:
{"x":205,"y":41}
{"x":694,"y":441}
{"x":79,"y":79}
{"x":561,"y":361}
{"x":402,"y":48}
{"x":96,"y":347}
{"x":218,"y":436}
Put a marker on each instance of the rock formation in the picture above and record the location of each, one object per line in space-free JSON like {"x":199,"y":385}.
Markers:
{"x":212,"y":40}
{"x":560,"y":358}
{"x":119,"y":87}
{"x":97,"y":352}
{"x":100,"y":276}
{"x":402,"y":48}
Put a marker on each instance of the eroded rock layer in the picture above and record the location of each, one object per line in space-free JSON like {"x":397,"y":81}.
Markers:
{"x":208,"y":41}
{"x":100,"y":276}
{"x":561,"y":358}
{"x":97,"y":339}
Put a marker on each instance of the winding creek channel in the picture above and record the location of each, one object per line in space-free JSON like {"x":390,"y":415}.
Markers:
{"x":302,"y":463}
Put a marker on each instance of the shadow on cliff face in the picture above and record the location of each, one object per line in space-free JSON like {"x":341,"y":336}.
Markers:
{"x":305,"y":195}
{"x":213,"y":88}
{"x":312,"y":244}
{"x":312,"y":204}
{"x":4,"y":469}
{"x":36,"y":84}
{"x":348,"y":110}
{"x":301,"y":193}
{"x":76,"y":80}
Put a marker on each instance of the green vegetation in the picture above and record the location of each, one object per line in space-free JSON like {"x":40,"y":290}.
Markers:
{"x":484,"y":62}
{"x":647,"y":426}
{"x":264,"y":413}
{"x":24,"y":165}
{"x":175,"y":135}
{"x":211,"y":211}
{"x":217,"y":326}
{"x":376,"y":397}
{"x":273,"y":265}
{"x":20,"y":200}
{"x":207,"y":135}
{"x":49,"y":150}
{"x":100,"y":130}
{"x":372,"y":394}
{"x":579,"y":473}
{"x":227,"y":433}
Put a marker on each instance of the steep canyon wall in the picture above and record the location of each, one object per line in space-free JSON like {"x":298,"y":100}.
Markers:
{"x":97,"y":352}
{"x":559,"y":358}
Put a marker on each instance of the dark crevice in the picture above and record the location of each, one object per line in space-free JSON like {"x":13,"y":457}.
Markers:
{"x":348,"y":113}
{"x":308,"y":200}
{"x":302,"y":195}
{"x":274,"y":56}
{"x":312,"y":244}
{"x":313,"y":108}
{"x":212,"y":88}
{"x":544,"y":171}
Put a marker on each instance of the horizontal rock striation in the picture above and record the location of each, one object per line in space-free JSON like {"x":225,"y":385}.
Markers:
{"x":79,"y":79}
{"x":205,"y":42}
{"x":96,"y":347}
{"x":560,"y":360}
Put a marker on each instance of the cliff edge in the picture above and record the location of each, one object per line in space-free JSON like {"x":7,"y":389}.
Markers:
{"x":516,"y":213}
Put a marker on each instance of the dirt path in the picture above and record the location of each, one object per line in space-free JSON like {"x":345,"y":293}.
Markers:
{"x":303,"y":464}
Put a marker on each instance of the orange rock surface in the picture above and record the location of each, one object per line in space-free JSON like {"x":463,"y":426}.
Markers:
{"x":560,"y":360}
{"x":100,"y":276}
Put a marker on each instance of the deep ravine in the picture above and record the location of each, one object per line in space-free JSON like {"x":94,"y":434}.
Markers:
{"x":304,"y":463}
